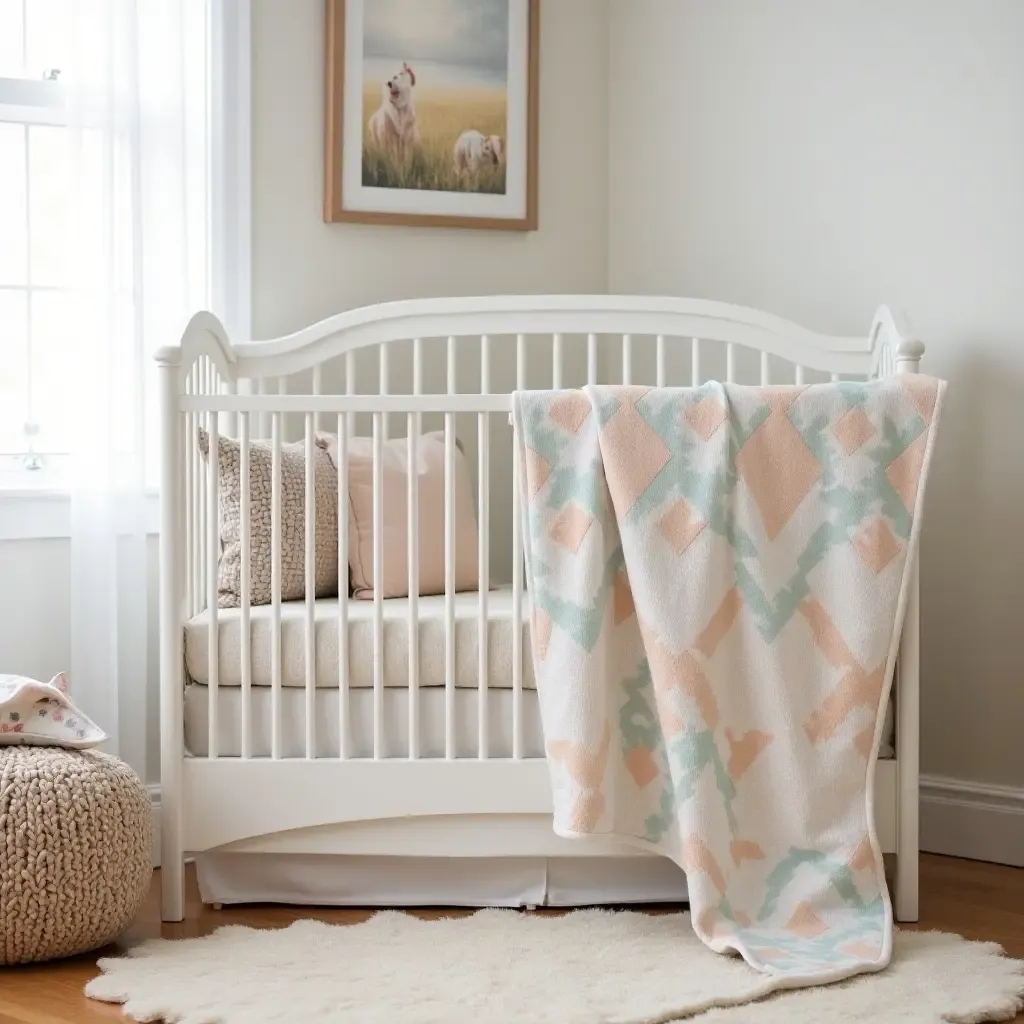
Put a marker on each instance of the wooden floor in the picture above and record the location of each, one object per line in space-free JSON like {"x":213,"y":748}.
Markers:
{"x":980,"y":901}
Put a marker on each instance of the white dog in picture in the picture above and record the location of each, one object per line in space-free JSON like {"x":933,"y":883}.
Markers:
{"x":393,"y":125}
{"x":475,"y":151}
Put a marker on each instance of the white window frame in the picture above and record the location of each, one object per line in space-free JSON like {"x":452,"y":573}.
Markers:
{"x":35,"y":504}
{"x":28,"y":102}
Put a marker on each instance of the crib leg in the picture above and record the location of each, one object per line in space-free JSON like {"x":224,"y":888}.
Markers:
{"x":908,"y":748}
{"x":172,"y":856}
{"x":172,"y":887}
{"x":217,"y":906}
{"x":172,"y":655}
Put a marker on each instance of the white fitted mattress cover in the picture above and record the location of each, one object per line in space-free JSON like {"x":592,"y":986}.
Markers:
{"x":396,"y":633}
{"x":360,"y":735}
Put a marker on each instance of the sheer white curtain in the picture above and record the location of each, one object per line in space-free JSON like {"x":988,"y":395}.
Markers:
{"x":138,"y":106}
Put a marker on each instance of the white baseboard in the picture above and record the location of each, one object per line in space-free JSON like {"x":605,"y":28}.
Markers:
{"x":958,"y":818}
{"x":972,"y":819}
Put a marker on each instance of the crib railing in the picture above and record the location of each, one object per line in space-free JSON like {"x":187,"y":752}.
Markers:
{"x":370,"y":387}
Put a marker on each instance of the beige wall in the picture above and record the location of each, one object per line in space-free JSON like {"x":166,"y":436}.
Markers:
{"x":816,"y":159}
{"x":304,"y":269}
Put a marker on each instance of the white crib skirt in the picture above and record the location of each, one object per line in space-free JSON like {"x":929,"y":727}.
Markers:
{"x":350,"y":881}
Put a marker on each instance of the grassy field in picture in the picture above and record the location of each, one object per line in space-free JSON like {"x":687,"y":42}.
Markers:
{"x":443,"y":115}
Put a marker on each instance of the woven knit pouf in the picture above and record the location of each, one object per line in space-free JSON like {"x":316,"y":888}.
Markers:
{"x":75,"y":851}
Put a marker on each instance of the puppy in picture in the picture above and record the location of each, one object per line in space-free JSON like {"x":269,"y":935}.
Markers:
{"x":474,"y":151}
{"x":393,"y":125}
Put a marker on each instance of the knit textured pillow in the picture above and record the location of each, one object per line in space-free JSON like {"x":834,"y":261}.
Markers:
{"x":293,"y":521}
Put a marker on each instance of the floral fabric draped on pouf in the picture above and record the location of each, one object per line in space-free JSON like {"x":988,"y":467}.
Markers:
{"x":718,"y":575}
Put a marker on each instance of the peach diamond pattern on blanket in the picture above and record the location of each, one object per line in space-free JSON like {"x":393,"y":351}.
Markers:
{"x":718,"y":577}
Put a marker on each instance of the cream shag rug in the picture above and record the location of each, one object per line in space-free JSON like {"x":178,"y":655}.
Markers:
{"x":504,"y":967}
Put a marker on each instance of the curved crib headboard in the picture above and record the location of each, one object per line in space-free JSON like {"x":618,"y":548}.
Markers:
{"x":606,"y":326}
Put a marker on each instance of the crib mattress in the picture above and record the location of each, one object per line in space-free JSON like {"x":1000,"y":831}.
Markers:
{"x":500,"y":632}
{"x":360,"y":740}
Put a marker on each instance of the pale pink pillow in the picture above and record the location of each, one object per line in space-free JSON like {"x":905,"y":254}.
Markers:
{"x":395,"y":472}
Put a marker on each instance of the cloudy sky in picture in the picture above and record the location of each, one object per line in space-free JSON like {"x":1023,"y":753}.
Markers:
{"x":467,"y":32}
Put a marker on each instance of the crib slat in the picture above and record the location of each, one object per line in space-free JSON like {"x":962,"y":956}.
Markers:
{"x":262,"y":423}
{"x":199,"y":510}
{"x":200,"y":507}
{"x":730,"y":362}
{"x":190,"y":564}
{"x":556,"y":361}
{"x":765,"y":374}
{"x":413,"y":552}
{"x":275,"y":585}
{"x":230,"y":387}
{"x":318,"y":387}
{"x":591,"y":358}
{"x":517,"y":547}
{"x":412,"y":431}
{"x":449,"y":585}
{"x":282,"y":389}
{"x":346,"y":429}
{"x":188,"y":500}
{"x":798,"y":374}
{"x":449,"y":561}
{"x":627,"y":359}
{"x":483,"y":532}
{"x":378,"y":586}
{"x":833,"y":377}
{"x":343,"y":582}
{"x":517,"y":607}
{"x":483,"y":558}
{"x":695,"y":362}
{"x":190,"y":539}
{"x":384,"y":382}
{"x":659,"y":356}
{"x":245,"y":651}
{"x":213,"y":546}
{"x":309,"y":511}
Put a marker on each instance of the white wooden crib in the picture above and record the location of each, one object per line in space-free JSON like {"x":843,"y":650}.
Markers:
{"x":378,"y":771}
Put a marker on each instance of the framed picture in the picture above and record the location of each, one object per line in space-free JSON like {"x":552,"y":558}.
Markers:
{"x":431,"y":112}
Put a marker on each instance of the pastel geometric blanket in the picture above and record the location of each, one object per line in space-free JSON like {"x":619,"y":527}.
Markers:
{"x":718,"y":576}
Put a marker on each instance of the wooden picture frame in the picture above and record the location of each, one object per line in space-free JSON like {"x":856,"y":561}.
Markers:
{"x":461,"y":172}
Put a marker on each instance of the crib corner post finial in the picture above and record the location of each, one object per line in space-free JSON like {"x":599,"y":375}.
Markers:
{"x":908,"y":355}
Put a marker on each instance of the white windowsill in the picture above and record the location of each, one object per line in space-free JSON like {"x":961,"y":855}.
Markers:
{"x":43,"y":511}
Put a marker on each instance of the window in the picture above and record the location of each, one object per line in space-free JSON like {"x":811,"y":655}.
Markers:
{"x":105,"y":111}
{"x":35,"y":333}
